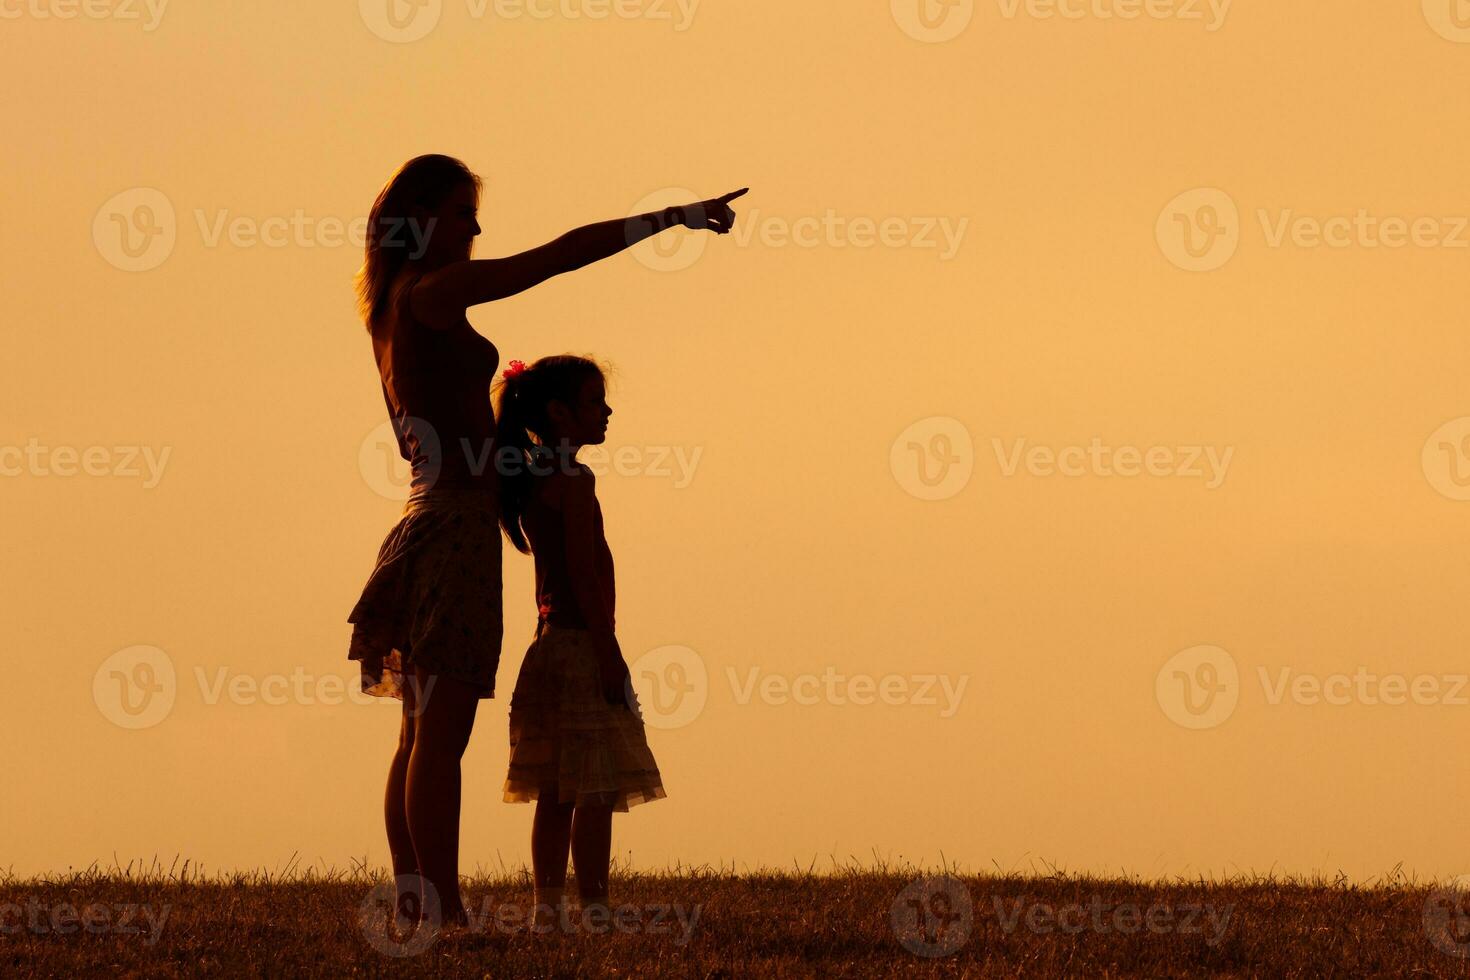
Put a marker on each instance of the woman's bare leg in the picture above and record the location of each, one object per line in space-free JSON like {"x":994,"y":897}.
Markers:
{"x":441,"y":732}
{"x":395,"y":815}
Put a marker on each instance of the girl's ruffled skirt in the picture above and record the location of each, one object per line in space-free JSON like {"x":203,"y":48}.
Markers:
{"x":566,"y":742}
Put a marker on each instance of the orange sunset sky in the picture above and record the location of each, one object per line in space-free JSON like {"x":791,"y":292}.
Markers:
{"x":1066,"y":459}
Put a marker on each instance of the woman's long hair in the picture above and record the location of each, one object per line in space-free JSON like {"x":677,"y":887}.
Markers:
{"x":424,"y":181}
{"x":523,"y":449}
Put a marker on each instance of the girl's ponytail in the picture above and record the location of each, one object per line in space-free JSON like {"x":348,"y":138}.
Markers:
{"x":523,"y":429}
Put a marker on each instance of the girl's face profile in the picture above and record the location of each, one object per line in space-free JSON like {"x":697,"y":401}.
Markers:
{"x":585,"y":423}
{"x":454,"y":226}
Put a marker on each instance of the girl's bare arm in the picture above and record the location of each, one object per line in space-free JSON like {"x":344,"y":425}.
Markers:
{"x":579,"y":522}
{"x":579,"y":510}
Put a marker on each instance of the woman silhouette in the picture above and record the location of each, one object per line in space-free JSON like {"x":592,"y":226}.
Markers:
{"x":427,"y":628}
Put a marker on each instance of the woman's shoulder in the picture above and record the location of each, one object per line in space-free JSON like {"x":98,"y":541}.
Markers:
{"x":400,"y":293}
{"x":394,"y":307}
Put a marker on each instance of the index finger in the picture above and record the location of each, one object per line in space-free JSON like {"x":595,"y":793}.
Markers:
{"x":733,"y":195}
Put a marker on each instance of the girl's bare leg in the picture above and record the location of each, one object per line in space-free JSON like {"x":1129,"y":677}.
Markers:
{"x":441,"y":732}
{"x":551,"y":836}
{"x":591,"y":855}
{"x":395,"y":814}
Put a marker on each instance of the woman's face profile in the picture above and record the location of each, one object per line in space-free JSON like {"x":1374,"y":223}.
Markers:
{"x":451,"y":236}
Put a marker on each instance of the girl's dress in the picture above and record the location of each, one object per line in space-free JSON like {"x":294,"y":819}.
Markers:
{"x":566,"y":741}
{"x":433,"y":599}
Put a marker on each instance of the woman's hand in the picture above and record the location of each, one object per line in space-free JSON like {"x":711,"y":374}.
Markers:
{"x":714,"y":215}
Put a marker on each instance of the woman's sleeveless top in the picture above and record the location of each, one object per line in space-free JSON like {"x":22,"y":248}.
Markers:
{"x":436,"y":385}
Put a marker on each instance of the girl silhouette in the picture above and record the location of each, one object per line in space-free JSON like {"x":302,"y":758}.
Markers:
{"x":427,"y":628}
{"x":577,"y":747}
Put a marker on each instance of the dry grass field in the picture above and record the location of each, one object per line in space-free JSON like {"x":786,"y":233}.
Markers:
{"x":155,"y":921}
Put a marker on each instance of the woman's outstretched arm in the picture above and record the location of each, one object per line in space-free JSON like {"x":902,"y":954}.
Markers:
{"x":444,"y":295}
